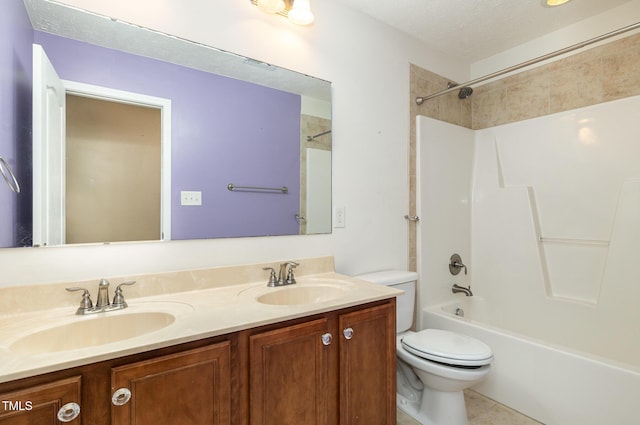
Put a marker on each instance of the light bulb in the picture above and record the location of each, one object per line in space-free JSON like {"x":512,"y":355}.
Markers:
{"x":300,"y":13}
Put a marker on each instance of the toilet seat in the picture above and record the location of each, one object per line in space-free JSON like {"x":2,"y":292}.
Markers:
{"x":447,"y":347}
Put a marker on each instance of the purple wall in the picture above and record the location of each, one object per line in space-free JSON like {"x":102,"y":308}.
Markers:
{"x":16,"y":37}
{"x":223,"y":131}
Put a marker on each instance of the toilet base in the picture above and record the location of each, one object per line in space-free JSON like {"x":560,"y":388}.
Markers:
{"x":436,"y":407}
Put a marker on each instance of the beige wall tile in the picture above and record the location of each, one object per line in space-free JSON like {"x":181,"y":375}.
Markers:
{"x":622,"y":70}
{"x":527,"y":99}
{"x":576,"y":85}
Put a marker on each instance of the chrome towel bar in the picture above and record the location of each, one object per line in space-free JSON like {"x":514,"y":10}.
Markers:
{"x":232,"y":187}
{"x":311,"y":138}
{"x":8,"y":175}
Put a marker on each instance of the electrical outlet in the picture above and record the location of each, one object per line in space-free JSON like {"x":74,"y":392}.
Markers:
{"x":338,"y":217}
{"x":191,"y":198}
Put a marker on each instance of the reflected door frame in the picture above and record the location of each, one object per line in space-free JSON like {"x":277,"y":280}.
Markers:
{"x":164,"y":105}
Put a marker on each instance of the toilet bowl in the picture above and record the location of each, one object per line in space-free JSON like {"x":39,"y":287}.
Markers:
{"x":434,"y":366}
{"x":441,"y":399}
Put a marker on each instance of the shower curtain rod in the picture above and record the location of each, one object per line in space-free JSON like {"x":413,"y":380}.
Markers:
{"x":420,"y":100}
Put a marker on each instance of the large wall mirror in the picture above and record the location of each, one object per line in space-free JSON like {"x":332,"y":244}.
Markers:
{"x":155,"y":137}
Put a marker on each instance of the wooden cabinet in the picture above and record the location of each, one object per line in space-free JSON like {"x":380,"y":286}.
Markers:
{"x":40,"y":404}
{"x":288,"y":375}
{"x":339,"y":369}
{"x":335,"y":368}
{"x":187,"y":388}
{"x":186,"y":385}
{"x":368,"y":366}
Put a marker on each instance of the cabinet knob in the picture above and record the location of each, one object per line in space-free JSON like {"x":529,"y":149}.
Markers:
{"x":68,"y":412}
{"x":121,"y":397}
{"x":348,"y":333}
{"x":326,"y":339}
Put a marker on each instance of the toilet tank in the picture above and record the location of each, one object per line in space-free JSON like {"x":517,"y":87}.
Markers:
{"x":405,"y":303}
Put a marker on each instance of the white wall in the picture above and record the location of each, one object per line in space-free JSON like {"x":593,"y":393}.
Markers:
{"x":368,"y":64}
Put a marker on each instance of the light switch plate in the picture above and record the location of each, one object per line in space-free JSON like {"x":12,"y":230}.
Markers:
{"x":190,"y":198}
{"x":338,"y":217}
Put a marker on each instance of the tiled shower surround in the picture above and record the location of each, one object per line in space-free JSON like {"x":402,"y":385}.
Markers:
{"x":596,"y":75}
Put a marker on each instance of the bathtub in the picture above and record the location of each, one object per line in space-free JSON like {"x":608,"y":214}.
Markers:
{"x":553,"y":384}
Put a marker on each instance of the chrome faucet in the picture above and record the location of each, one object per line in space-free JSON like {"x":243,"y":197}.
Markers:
{"x":286,"y":277}
{"x":457,"y":288}
{"x":103,"y":294}
{"x":102,"y":304}
{"x":285,"y":274}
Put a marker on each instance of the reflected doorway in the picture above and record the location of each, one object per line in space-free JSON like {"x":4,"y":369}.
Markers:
{"x":113,"y":171}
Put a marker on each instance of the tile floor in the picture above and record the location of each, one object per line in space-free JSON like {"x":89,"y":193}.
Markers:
{"x":482,"y":411}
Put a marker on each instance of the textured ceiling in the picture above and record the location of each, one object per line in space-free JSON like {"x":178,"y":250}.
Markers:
{"x":477,"y":29}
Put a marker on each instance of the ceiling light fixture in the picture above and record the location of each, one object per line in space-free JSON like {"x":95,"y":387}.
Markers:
{"x":297,"y":11}
{"x":553,"y":3}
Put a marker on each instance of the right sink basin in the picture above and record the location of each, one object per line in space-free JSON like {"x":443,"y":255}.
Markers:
{"x":303,"y":294}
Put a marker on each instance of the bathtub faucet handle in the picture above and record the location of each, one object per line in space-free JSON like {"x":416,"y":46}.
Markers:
{"x":455,"y":264}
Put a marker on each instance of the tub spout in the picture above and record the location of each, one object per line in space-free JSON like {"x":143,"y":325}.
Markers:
{"x":457,"y":288}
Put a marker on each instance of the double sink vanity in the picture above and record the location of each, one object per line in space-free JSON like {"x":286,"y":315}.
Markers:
{"x":214,"y":346}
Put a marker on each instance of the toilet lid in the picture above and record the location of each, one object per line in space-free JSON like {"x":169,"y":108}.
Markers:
{"x":448,"y":347}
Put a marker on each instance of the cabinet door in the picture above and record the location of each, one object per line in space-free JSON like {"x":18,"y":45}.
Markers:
{"x":188,"y":388}
{"x":289,"y":375}
{"x":367,"y":366}
{"x":39,"y":405}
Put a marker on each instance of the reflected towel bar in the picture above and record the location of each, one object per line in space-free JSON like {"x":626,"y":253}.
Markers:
{"x":8,"y":175}
{"x":282,"y":189}
{"x":574,"y":241}
{"x":311,"y":138}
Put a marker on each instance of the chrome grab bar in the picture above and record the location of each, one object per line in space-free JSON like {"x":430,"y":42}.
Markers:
{"x":11,"y":178}
{"x":233,"y":187}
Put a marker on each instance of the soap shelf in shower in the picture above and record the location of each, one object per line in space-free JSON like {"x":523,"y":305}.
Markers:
{"x":574,"y":241}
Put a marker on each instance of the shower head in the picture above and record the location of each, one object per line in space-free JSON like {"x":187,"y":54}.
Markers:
{"x":465,"y":92}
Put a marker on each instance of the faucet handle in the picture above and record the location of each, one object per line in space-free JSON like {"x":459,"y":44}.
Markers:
{"x":85,"y":303}
{"x":273,"y":279}
{"x":455,"y":264}
{"x":290,"y":278}
{"x":118,"y":298}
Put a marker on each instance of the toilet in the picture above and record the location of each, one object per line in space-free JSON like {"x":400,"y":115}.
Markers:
{"x":434,"y":366}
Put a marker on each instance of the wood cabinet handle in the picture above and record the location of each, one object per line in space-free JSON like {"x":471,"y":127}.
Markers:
{"x":326,"y":339}
{"x":68,"y":412}
{"x":348,"y":333}
{"x":121,"y":397}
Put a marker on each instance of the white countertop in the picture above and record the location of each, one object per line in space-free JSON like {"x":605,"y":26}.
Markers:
{"x":198,"y":314}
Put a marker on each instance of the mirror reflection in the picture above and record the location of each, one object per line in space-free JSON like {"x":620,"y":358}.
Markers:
{"x":216,"y":119}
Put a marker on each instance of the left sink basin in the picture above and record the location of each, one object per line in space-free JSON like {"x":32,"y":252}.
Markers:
{"x":91,"y":331}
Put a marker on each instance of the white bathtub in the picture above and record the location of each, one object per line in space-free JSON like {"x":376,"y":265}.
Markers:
{"x":553,"y":384}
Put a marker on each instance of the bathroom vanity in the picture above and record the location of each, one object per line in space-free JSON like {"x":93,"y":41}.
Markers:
{"x":321,"y":351}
